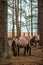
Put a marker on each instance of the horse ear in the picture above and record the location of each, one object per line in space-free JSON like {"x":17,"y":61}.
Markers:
{"x":17,"y":37}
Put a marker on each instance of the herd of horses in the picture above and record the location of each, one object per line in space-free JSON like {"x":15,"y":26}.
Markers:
{"x":23,"y":42}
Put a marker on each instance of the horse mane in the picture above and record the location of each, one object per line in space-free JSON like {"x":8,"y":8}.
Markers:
{"x":17,"y":37}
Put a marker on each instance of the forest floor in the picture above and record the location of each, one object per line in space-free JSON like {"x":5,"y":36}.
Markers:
{"x":35,"y":59}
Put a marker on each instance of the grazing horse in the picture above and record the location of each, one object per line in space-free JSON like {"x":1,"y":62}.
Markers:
{"x":21,"y":42}
{"x":34,"y":40}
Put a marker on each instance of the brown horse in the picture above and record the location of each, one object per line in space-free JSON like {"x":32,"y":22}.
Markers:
{"x":24,"y":42}
{"x":21,"y":42}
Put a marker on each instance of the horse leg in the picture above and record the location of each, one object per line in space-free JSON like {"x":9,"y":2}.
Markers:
{"x":14,"y":52}
{"x":18,"y":51}
{"x":29,"y":50}
{"x":35,"y":44}
{"x":24,"y":50}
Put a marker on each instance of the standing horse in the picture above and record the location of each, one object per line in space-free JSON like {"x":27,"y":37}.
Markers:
{"x":21,"y":42}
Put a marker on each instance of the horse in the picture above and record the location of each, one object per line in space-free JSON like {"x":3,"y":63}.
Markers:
{"x":21,"y":42}
{"x":34,"y":40}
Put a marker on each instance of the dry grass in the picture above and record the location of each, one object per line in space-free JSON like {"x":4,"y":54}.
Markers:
{"x":35,"y":59}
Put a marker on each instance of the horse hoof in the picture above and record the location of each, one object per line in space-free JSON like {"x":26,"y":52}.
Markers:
{"x":29,"y":54}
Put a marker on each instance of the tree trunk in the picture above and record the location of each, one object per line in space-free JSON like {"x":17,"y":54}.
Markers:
{"x":17,"y":22}
{"x":13,"y":34}
{"x":3,"y":28}
{"x":31,"y":20}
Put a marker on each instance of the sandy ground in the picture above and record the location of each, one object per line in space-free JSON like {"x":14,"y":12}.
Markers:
{"x":35,"y":59}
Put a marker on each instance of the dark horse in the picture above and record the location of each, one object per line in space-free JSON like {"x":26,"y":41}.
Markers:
{"x":34,"y":40}
{"x":21,"y":42}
